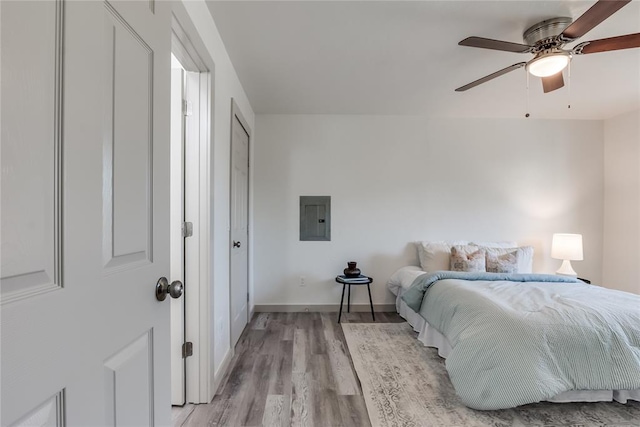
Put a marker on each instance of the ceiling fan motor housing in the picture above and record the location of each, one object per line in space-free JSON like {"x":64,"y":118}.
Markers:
{"x":544,"y":35}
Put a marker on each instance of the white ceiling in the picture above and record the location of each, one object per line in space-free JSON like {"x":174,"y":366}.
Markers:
{"x":402,"y":57}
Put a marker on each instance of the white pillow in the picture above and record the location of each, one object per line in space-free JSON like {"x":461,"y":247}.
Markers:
{"x":403,"y":278}
{"x":435,"y":256}
{"x":523,"y":254}
{"x":505,"y":244}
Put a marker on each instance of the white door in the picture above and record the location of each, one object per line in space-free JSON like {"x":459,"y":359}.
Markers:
{"x":239,"y":228}
{"x":85,"y":212}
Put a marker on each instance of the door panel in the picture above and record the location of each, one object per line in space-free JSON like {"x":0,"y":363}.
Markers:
{"x":239,"y":229}
{"x":128,"y":144}
{"x":48,"y":414}
{"x":128,"y":385}
{"x":102,"y":108}
{"x":30,"y":184}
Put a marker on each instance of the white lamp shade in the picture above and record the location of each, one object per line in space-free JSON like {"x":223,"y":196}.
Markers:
{"x":567,"y":247}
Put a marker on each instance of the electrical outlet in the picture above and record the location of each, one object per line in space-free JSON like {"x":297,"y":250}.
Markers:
{"x":303,"y":281}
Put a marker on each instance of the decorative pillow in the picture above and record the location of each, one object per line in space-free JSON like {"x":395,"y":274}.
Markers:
{"x":435,"y":256}
{"x":468,"y":258}
{"x":505,"y":263}
{"x":524,"y":256}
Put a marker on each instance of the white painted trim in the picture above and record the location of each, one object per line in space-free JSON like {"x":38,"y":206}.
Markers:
{"x":198,"y":311}
{"x":322,"y":308}
{"x":204,"y":311}
{"x":219,"y":375}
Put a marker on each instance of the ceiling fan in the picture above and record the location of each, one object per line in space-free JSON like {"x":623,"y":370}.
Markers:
{"x":546,"y":39}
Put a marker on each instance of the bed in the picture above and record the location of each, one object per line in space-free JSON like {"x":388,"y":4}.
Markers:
{"x":516,"y":338}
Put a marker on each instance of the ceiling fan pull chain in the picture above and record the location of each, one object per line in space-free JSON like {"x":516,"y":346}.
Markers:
{"x":569,"y":75}
{"x":527,"y":109}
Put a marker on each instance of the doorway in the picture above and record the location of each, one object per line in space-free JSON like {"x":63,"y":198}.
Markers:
{"x":189,"y":218}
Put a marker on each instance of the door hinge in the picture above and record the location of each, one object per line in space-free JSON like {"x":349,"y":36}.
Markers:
{"x":187,"y":107}
{"x":187,"y":349}
{"x":187,"y":229}
{"x":247,"y":296}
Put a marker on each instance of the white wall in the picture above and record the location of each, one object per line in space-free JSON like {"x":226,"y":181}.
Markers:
{"x":621,"y":260}
{"x":226,"y":86}
{"x":398,"y":179}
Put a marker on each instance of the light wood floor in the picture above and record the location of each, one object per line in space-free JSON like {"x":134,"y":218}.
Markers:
{"x":289,"y":369}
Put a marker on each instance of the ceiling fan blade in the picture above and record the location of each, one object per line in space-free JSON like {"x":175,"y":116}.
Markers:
{"x":483,"y":43}
{"x":551,"y":83}
{"x":592,"y":17}
{"x":604,"y":45}
{"x":491,"y":76}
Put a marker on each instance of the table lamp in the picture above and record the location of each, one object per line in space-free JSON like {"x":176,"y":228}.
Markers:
{"x":567,"y":247}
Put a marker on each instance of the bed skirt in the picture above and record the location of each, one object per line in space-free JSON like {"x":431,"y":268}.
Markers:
{"x":431,"y":337}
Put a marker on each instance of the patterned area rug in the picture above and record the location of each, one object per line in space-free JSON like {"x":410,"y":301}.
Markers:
{"x":406,"y":384}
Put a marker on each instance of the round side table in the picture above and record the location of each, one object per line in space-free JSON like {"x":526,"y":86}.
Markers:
{"x":354,"y":281}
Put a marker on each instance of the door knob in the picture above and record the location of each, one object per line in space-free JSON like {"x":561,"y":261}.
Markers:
{"x":236,"y":244}
{"x":163,"y":288}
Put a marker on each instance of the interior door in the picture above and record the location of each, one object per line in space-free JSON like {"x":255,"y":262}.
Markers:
{"x":85,"y":212}
{"x":239,"y":228}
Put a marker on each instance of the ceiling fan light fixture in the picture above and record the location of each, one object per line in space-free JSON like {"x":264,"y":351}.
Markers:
{"x":548,"y":64}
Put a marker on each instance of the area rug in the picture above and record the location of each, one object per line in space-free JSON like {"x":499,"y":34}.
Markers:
{"x":406,"y":384}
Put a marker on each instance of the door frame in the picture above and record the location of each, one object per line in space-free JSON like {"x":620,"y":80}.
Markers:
{"x":237,"y":113}
{"x":197,"y":310}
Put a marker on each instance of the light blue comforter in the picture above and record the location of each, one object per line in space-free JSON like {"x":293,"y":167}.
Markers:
{"x":519,"y":339}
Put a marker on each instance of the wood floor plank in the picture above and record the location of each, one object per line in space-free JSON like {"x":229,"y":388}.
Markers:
{"x":324,"y":398}
{"x":255,"y":399}
{"x":343,"y":373}
{"x":354,"y":411}
{"x":207,"y":415}
{"x":326,"y":408}
{"x":328,"y":327}
{"x":301,"y":406}
{"x":271,"y":340}
{"x":319,"y":366}
{"x":260,"y":321}
{"x":289,"y":326}
{"x":179,"y":414}
{"x":280,"y":380}
{"x":240,"y":375}
{"x":277,"y":411}
{"x":303,"y":321}
{"x":316,"y":337}
{"x":299,"y":351}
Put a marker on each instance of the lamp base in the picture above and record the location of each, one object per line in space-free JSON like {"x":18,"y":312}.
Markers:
{"x":566,"y":269}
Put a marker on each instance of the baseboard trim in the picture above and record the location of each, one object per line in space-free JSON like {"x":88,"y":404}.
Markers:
{"x":322,"y":308}
{"x":222,"y":371}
